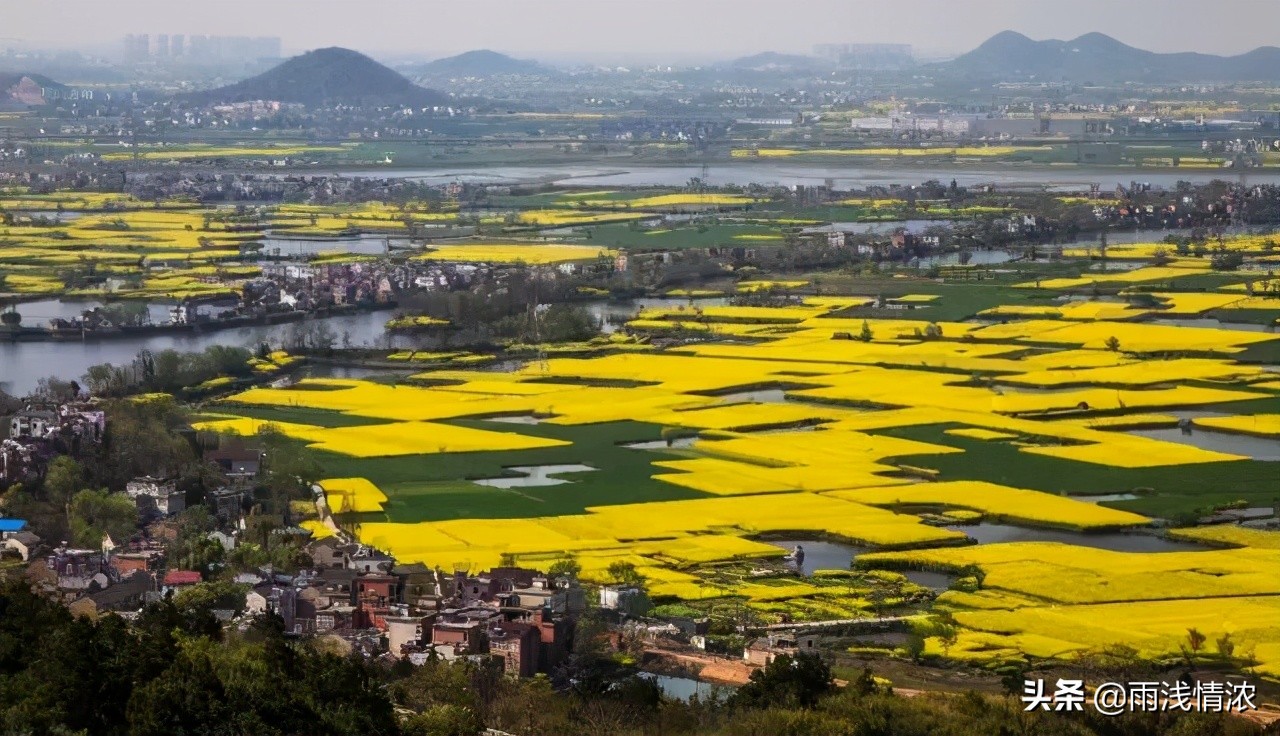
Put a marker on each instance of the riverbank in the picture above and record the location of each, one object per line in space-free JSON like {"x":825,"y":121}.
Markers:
{"x":37,"y":334}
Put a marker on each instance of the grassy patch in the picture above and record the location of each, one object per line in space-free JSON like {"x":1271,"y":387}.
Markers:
{"x":1173,"y":491}
{"x":439,"y":487}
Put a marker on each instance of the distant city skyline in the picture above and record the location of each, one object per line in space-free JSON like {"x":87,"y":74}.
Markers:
{"x":613,"y":31}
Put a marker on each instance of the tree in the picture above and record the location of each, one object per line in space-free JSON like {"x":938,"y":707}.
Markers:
{"x":187,"y":698}
{"x":787,"y":682}
{"x":1225,"y":646}
{"x":209,"y":596}
{"x":97,"y":513}
{"x":1195,"y":641}
{"x":865,"y":335}
{"x":625,"y":573}
{"x":62,"y":481}
{"x":1113,"y":344}
{"x":565,"y":567}
{"x":947,"y":631}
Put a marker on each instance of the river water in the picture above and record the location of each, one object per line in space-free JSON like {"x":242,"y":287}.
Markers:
{"x":22,"y":364}
{"x":782,"y":173}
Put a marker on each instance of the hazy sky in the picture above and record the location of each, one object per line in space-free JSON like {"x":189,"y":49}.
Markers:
{"x":616,"y":29}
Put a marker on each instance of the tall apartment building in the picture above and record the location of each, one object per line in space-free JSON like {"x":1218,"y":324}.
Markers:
{"x":137,"y":48}
{"x":199,"y":49}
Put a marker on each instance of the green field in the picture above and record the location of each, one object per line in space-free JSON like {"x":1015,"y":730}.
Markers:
{"x":1164,"y":491}
{"x":439,"y":487}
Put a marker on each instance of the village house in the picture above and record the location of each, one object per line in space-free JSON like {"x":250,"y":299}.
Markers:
{"x":127,"y":563}
{"x":78,"y":569}
{"x":226,"y":540}
{"x":20,"y":461}
{"x":760,"y":652}
{"x":155,"y":496}
{"x":25,"y":544}
{"x":32,"y":423}
{"x":624,"y":599}
{"x":130,"y":593}
{"x":227,"y":503}
{"x":463,"y":637}
{"x":423,"y":587}
{"x":330,"y":552}
{"x":516,"y":646}
{"x":236,"y":461}
{"x":175,"y":580}
{"x":404,"y":634}
{"x":296,"y":611}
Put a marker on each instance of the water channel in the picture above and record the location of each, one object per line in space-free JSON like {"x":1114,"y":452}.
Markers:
{"x":855,"y":175}
{"x":832,"y":555}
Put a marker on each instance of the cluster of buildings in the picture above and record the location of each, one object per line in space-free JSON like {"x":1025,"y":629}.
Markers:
{"x":41,"y":430}
{"x":522,"y":618}
{"x":303,"y":285}
{"x":140,"y":48}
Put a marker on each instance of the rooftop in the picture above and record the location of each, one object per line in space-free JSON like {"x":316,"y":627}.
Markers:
{"x":182,"y":577}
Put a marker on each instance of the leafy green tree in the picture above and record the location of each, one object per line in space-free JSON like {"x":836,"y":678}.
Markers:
{"x":566,"y":566}
{"x":62,"y":480}
{"x":787,"y":682}
{"x":1225,"y":646}
{"x":210,"y":595}
{"x":443,"y":700}
{"x":97,"y":513}
{"x":188,"y":698}
{"x":625,"y":573}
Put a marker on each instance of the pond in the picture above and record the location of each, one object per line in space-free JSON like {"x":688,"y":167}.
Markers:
{"x":976,"y":258}
{"x":828,"y":555}
{"x":986,"y":532}
{"x":534,"y":476}
{"x":518,"y":419}
{"x":683,"y":688}
{"x":762,"y":396}
{"x":1215,"y":324}
{"x":280,"y":244}
{"x":832,"y":555}
{"x":1105,"y":497}
{"x":675,"y":444}
{"x":1257,"y":448}
{"x":613,"y":315}
{"x":352,"y":372}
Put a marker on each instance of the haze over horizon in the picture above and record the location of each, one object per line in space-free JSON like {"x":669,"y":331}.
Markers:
{"x":671,"y":30}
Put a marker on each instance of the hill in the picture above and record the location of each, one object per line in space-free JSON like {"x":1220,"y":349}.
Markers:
{"x":1099,"y":57}
{"x":774,"y":61}
{"x":332,"y":76}
{"x":483,"y":63}
{"x":19,"y":90}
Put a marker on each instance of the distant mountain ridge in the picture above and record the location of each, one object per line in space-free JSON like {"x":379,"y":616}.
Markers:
{"x":483,"y":63}
{"x":329,"y":76}
{"x":1099,"y":57}
{"x":773,"y":60}
{"x":20,"y":90}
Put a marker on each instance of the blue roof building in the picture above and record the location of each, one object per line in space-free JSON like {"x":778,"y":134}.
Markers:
{"x":12,"y":525}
